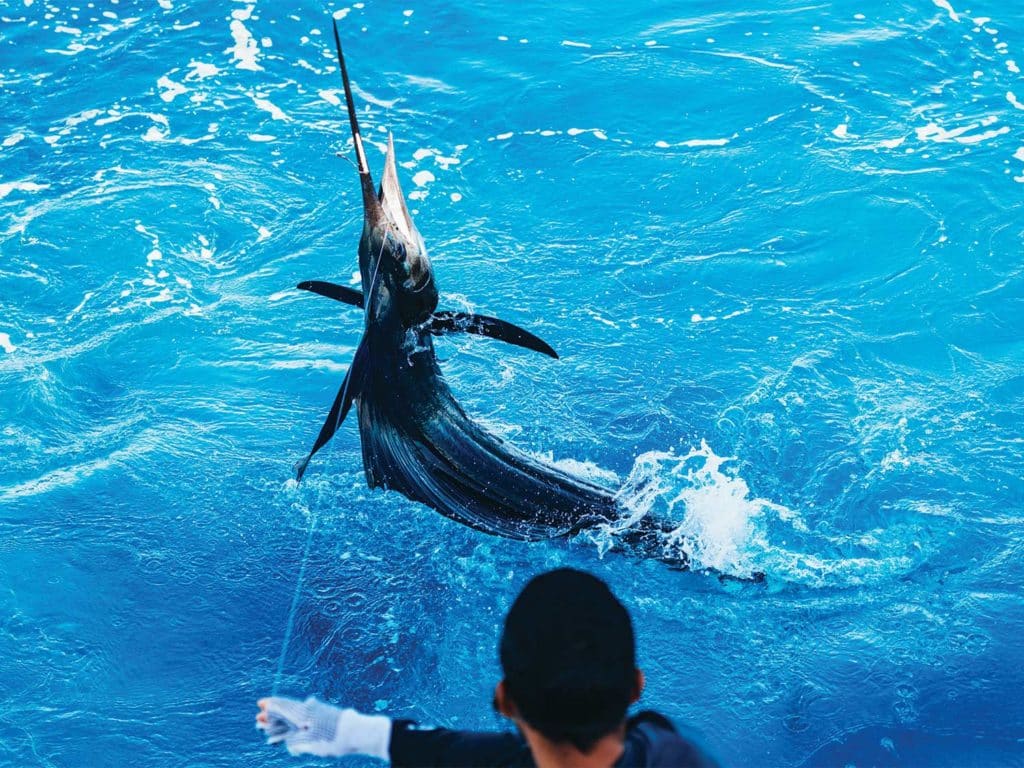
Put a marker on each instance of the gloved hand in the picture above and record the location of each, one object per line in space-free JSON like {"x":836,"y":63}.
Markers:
{"x":315,"y":728}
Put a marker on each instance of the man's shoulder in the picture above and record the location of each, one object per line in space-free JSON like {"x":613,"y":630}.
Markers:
{"x":652,"y":741}
{"x":416,"y":745}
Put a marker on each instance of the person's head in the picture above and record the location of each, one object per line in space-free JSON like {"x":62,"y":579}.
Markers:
{"x":567,"y":653}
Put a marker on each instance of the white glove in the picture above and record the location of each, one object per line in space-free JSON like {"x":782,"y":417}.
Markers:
{"x":312,"y":727}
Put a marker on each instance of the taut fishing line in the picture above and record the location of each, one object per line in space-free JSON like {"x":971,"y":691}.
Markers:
{"x":289,"y":627}
{"x":295,"y":604}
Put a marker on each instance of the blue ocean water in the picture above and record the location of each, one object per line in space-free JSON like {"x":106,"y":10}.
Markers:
{"x":778,"y":249}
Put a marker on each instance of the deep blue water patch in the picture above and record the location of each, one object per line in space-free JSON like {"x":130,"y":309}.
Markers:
{"x":778,"y":250}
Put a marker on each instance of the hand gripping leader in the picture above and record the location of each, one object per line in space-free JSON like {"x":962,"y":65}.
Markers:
{"x":315,"y":728}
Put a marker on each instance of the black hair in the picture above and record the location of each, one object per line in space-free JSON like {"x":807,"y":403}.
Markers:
{"x":568,"y":657}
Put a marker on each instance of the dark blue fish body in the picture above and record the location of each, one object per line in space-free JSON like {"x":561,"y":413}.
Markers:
{"x":416,"y":438}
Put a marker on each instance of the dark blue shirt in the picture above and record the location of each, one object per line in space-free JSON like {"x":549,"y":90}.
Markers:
{"x":651,"y":741}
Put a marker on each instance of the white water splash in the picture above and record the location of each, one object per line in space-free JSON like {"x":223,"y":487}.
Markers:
{"x":662,"y":144}
{"x":246,"y":49}
{"x":422,"y":178}
{"x":169,"y":89}
{"x":938,"y":134}
{"x":708,"y":514}
{"x":276,"y":113}
{"x":944,"y":5}
{"x":701,"y":511}
{"x":24,"y":186}
{"x":201,"y":70}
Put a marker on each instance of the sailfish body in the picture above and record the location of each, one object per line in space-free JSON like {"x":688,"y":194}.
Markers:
{"x":416,"y":438}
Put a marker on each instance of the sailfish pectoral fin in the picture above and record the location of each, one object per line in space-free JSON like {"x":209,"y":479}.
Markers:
{"x":339,"y":409}
{"x":340,"y":293}
{"x":448,"y":322}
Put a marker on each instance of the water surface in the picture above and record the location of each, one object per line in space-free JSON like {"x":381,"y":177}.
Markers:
{"x":778,"y":250}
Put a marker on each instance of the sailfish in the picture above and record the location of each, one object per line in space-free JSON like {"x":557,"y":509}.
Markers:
{"x":416,"y":439}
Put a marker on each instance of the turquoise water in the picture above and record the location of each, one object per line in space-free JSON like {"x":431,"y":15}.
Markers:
{"x":778,"y":249}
